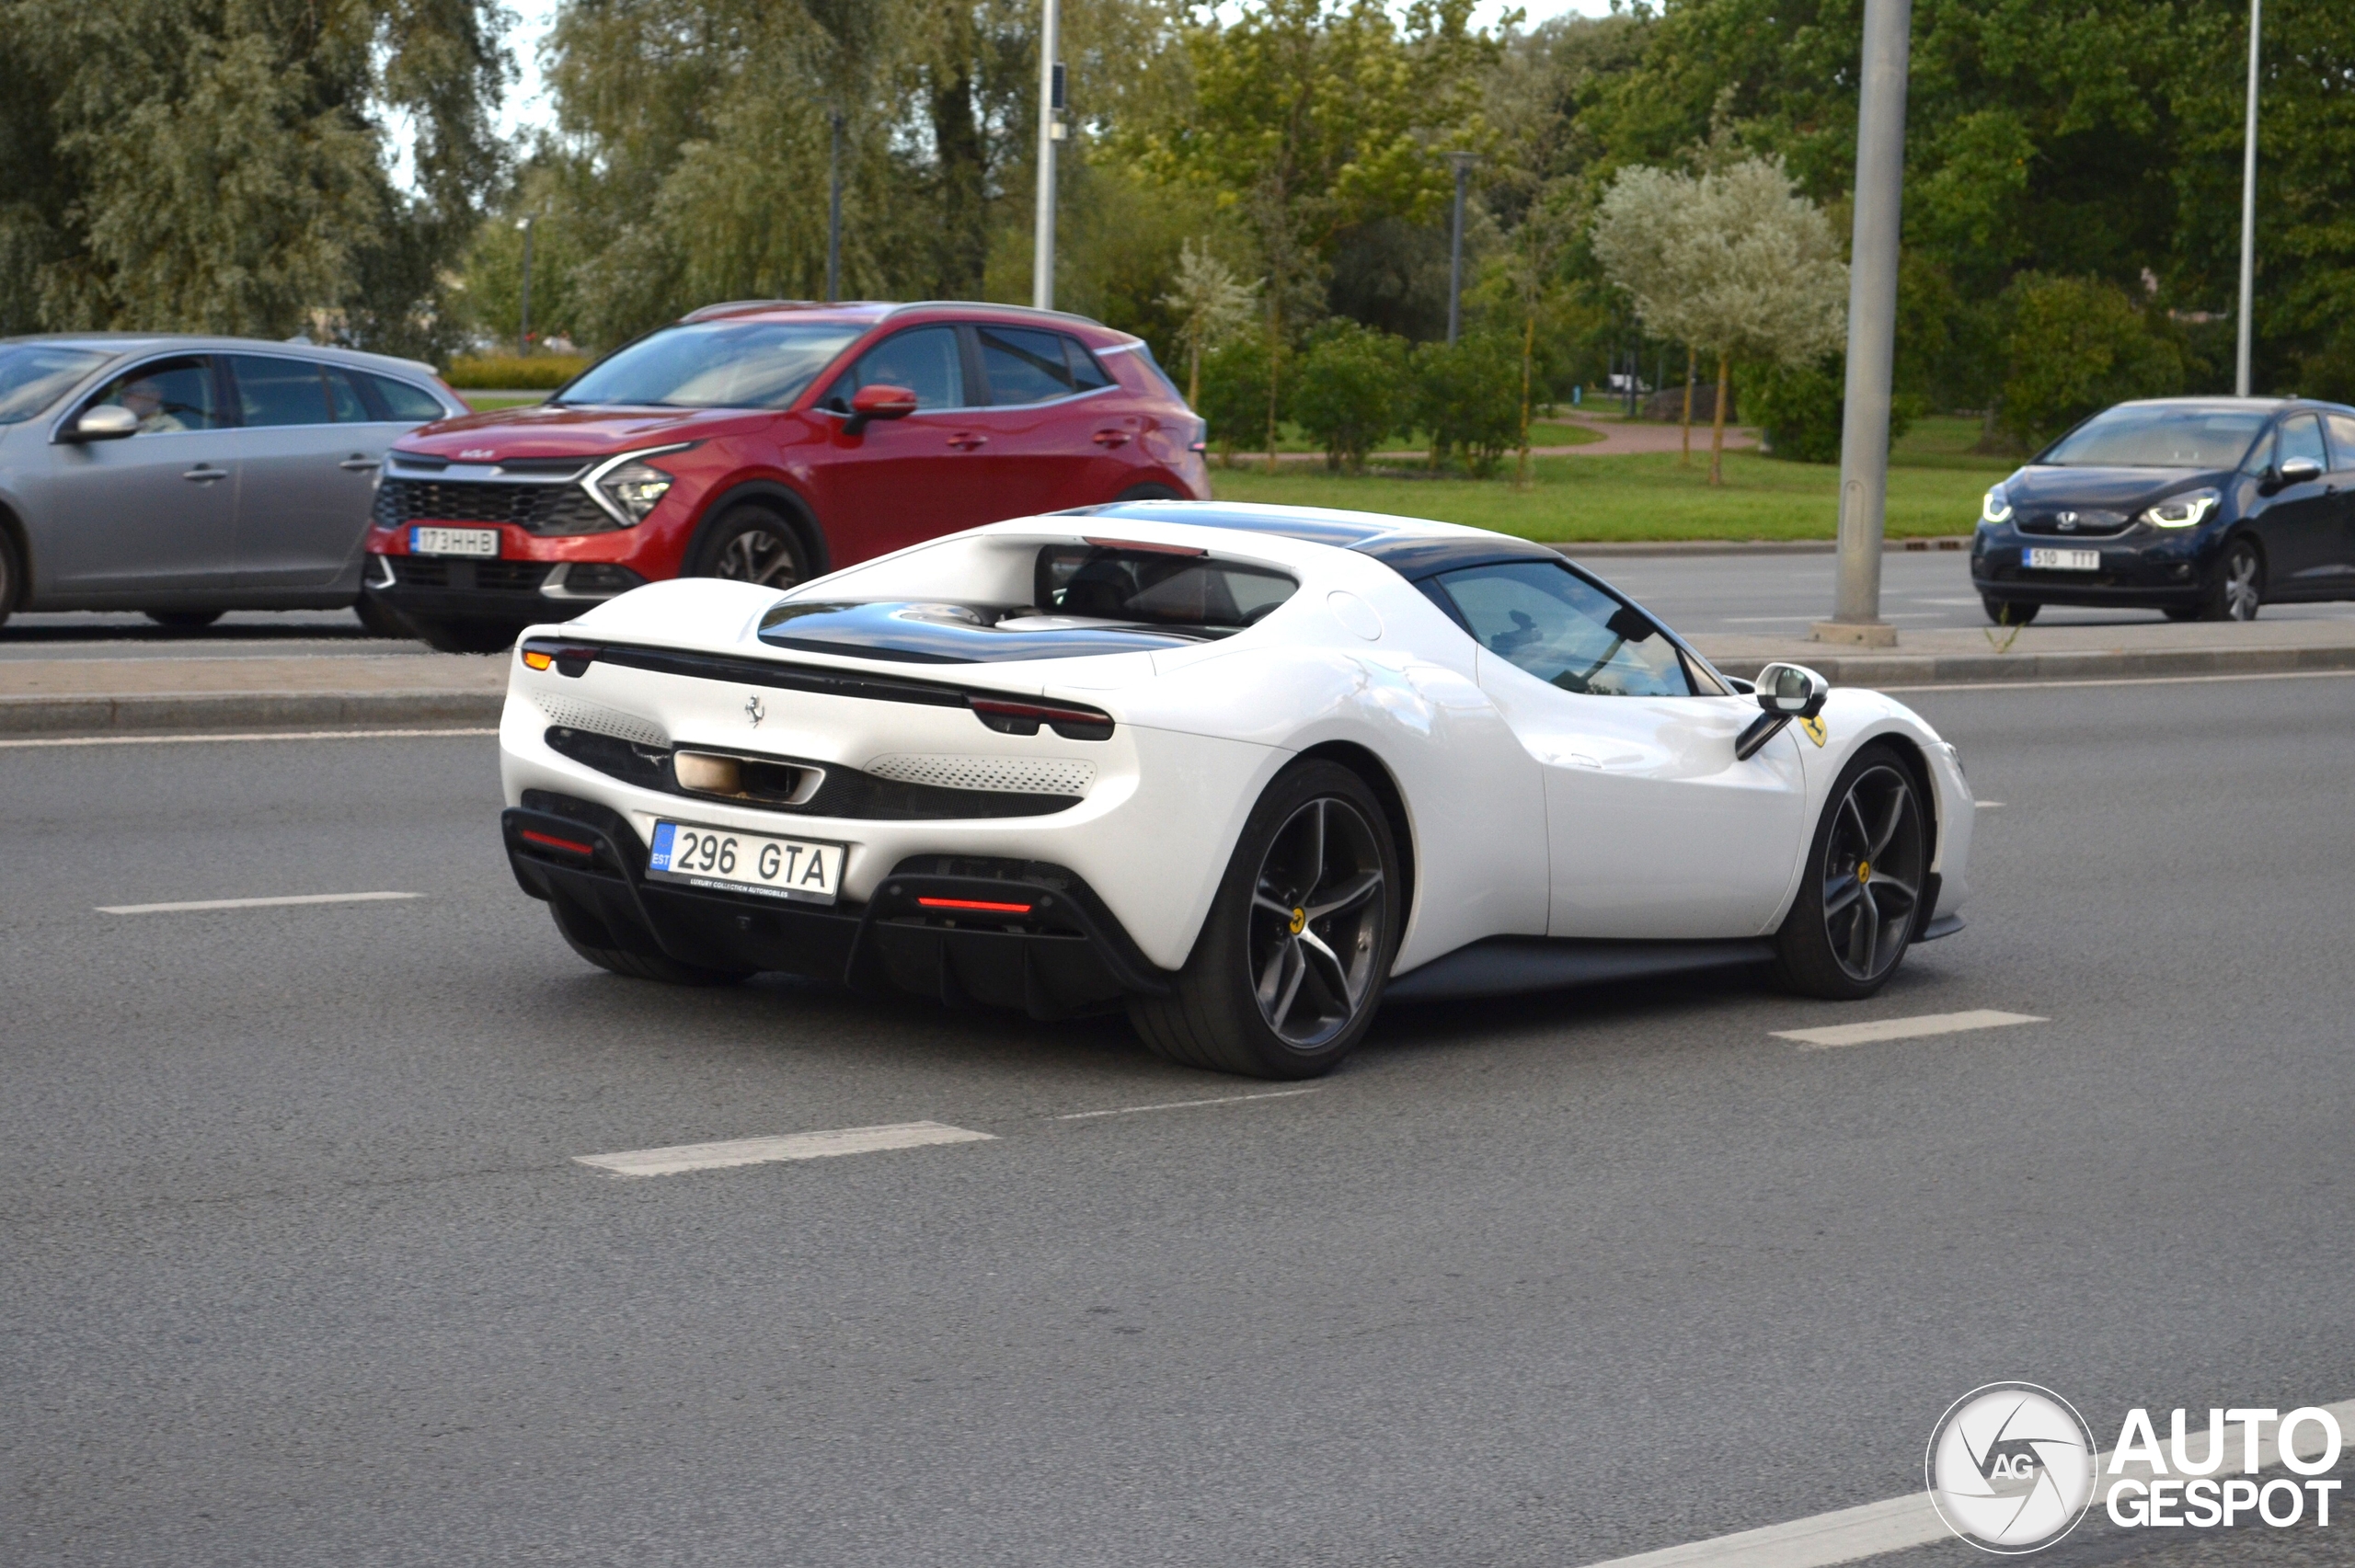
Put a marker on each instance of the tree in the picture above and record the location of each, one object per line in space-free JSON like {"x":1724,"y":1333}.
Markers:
{"x":1735,"y":262}
{"x":1352,"y":393}
{"x":1467,"y":398}
{"x":2075,"y":345}
{"x":1235,"y":381}
{"x":1212,"y":306}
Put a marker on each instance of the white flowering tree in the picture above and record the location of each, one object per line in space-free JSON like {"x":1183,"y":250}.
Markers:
{"x":1213,"y":306}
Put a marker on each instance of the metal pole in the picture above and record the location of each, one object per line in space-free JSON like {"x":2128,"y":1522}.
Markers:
{"x":1872,"y":326}
{"x":835,"y":213}
{"x":1042,"y":244}
{"x":1463,"y":163}
{"x":2249,"y":211}
{"x":524,"y":326}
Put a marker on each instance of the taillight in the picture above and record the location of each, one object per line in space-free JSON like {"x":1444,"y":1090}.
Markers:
{"x":567,"y":659}
{"x":549,"y":841}
{"x":1069,"y":720}
{"x":975,"y":905}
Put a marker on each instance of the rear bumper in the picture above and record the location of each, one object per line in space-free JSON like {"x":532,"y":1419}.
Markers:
{"x":1066,"y":956}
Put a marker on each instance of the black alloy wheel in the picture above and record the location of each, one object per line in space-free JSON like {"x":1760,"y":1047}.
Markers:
{"x":752,"y":545}
{"x":2009,"y":611}
{"x":2237,"y":591}
{"x":1861,"y":902}
{"x":1287,"y":973}
{"x":182,"y":620}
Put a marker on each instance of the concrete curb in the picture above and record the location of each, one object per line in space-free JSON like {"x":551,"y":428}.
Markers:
{"x":2108,"y":664}
{"x":157,"y":713}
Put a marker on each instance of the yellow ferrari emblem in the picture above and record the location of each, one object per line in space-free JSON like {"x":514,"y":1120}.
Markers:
{"x":1814,"y":728}
{"x":1299,"y":921}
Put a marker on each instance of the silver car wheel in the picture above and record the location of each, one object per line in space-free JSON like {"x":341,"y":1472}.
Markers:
{"x":1872,"y":873}
{"x":1316,"y":926}
{"x":2244,"y":584}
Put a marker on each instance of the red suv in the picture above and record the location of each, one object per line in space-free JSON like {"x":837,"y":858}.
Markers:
{"x":768,"y":441}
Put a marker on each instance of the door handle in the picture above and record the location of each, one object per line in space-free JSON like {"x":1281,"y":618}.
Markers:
{"x":1112,"y":438}
{"x":204,"y":474}
{"x":966,"y":441}
{"x":356,"y":463}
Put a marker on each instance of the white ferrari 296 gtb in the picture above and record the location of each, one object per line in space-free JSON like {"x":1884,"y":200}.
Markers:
{"x":1244,"y":771}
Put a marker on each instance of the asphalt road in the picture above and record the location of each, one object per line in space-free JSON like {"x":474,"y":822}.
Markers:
{"x":296,"y":1266}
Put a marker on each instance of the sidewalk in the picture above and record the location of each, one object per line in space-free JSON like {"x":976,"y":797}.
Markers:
{"x":125,"y":696}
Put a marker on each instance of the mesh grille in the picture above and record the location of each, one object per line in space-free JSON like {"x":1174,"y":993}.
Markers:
{"x":1012,"y":776}
{"x":598,"y":720}
{"x":537,"y":509}
{"x":499,"y":577}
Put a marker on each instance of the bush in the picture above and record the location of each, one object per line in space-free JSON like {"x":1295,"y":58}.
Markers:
{"x":1235,"y":396}
{"x":504,"y":372}
{"x":1467,"y":394}
{"x":1349,"y":392}
{"x":2071,"y":347}
{"x":1800,"y":409}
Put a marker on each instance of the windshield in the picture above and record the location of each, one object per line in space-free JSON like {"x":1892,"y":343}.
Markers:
{"x":715,"y":364}
{"x":34,"y":375}
{"x":2132,"y":436}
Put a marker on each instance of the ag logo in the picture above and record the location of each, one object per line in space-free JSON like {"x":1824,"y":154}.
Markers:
{"x":2011,"y":1467}
{"x":1814,"y":728}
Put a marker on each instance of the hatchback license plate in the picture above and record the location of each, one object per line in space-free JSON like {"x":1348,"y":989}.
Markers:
{"x":746,"y":863}
{"x":454,"y":542}
{"x":2064,"y":560}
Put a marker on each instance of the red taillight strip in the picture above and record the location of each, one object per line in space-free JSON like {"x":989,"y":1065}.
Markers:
{"x":983,"y":904}
{"x":1038,"y":712}
{"x":572,"y":846}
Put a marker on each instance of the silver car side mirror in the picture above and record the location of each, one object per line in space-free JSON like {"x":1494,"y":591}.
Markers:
{"x":1786,"y":691}
{"x":107,"y":422}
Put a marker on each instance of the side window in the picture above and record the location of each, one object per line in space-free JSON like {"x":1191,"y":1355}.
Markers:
{"x":1566,"y":632}
{"x":2300,"y":436}
{"x":343,"y":396}
{"x":168,"y":394}
{"x":924,"y":360}
{"x":400,"y":400}
{"x":274,"y":392}
{"x":1087,"y":375}
{"x":2342,"y":441}
{"x":1024,"y":366}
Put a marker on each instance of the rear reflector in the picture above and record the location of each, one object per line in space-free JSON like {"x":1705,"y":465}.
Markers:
{"x":982,"y":904}
{"x":549,"y":841}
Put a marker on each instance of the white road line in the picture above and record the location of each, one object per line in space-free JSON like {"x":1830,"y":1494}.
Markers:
{"x":1187,"y":1105}
{"x":793,"y":1146}
{"x":1905,"y":1028}
{"x":208,"y":739}
{"x":1899,"y":1523}
{"x":1990,"y":805}
{"x":252,"y":903}
{"x":2124,"y":680}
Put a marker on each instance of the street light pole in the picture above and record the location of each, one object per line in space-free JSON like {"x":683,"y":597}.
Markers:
{"x":834,"y":210}
{"x":1463,"y":161}
{"x":1872,"y":328}
{"x":524,"y":326}
{"x":2249,"y":211}
{"x":1051,"y":130}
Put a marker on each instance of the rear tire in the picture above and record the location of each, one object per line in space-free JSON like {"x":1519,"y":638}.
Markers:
{"x":182,"y":620}
{"x":1859,"y":902}
{"x":751,"y":544}
{"x":1288,"y":971}
{"x":468,"y":636}
{"x":2009,"y":611}
{"x":640,"y":966}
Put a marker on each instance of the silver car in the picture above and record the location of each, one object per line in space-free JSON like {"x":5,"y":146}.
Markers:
{"x":186,"y":476}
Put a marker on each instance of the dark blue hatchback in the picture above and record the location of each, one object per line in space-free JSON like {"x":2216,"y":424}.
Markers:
{"x":2205,"y":507}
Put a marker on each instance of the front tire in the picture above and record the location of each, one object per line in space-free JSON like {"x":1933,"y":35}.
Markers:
{"x":2237,"y":590}
{"x":751,"y":544}
{"x":1860,"y":901}
{"x":1288,"y":971}
{"x":2009,"y":611}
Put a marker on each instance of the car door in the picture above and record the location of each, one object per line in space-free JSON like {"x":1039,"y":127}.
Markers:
{"x":2338,"y":573}
{"x":154,"y":512}
{"x":2300,"y":525}
{"x":1655,"y":828}
{"x":899,"y":482}
{"x":1041,"y":425}
{"x":308,"y":450}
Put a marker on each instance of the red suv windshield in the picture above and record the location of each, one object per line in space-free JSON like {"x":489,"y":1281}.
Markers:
{"x":715,"y":364}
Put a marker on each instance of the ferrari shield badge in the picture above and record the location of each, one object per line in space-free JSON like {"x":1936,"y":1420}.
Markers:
{"x":1814,"y":728}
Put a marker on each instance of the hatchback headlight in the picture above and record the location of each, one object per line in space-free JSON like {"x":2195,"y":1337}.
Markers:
{"x":1996,"y":507}
{"x":635,"y":488}
{"x":2184,"y":510}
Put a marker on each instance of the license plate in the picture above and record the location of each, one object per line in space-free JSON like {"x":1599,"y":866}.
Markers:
{"x":454,"y":542}
{"x":746,"y":863}
{"x":2064,"y":560}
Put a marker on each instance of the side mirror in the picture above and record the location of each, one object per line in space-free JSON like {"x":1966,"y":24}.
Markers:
{"x":107,"y":422}
{"x":1786,"y":691}
{"x":877,"y":402}
{"x":2300,"y":471}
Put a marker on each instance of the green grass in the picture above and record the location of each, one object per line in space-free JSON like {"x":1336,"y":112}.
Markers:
{"x":1948,"y":440}
{"x":514,"y":371}
{"x":1642,"y":497}
{"x":1541,"y":433}
{"x":481,"y":404}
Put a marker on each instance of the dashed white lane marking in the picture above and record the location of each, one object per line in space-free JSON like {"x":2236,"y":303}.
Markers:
{"x":1828,"y":1539}
{"x":793,"y":1146}
{"x":1187,"y":1105}
{"x":1990,"y":805}
{"x":208,"y":739}
{"x":252,"y":903}
{"x":2127,"y":681}
{"x":1905,"y":1028}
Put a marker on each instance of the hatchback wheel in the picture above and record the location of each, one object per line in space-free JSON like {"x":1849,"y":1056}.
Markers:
{"x":2237,"y":591}
{"x":752,"y":545}
{"x":1286,"y":975}
{"x":1861,"y":899}
{"x":2009,"y":611}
